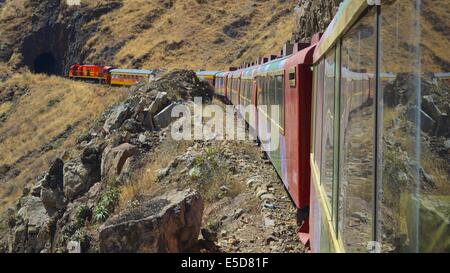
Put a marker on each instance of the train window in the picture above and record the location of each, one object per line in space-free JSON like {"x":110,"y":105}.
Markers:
{"x":267,"y":100}
{"x":357,"y":126}
{"x":229,"y":91}
{"x":293,"y":76}
{"x":260,"y":92}
{"x":243,"y":91}
{"x":273,"y":96}
{"x":319,"y":114}
{"x":415,"y":127}
{"x":280,"y":100}
{"x":328,"y":148}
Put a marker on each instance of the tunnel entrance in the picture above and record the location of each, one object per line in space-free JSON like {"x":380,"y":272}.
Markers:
{"x":45,"y":64}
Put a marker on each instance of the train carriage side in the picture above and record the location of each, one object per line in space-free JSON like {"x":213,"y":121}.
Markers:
{"x":219,"y":85}
{"x":297,"y":118}
{"x":208,"y":76}
{"x":229,"y":86}
{"x":372,"y":155}
{"x":270,"y":114}
{"x":128,"y":77}
{"x":235,"y":87}
{"x":247,"y":98}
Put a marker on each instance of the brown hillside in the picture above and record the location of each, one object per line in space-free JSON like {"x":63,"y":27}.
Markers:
{"x":193,"y":33}
{"x":40,"y":118}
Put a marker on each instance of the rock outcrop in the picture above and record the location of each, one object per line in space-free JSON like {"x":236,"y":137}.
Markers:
{"x":78,"y":179}
{"x":169,"y":223}
{"x":83,"y":189}
{"x":117,"y":117}
{"x":33,"y":231}
{"x":52,"y":186}
{"x":313,"y":16}
{"x":115,"y":158}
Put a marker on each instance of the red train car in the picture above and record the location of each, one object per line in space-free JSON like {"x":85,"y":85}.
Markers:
{"x":101,"y":74}
{"x":284,"y":82}
{"x":351,"y":153}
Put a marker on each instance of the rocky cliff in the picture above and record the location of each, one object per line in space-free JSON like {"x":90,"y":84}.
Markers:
{"x":313,"y":16}
{"x":48,"y":36}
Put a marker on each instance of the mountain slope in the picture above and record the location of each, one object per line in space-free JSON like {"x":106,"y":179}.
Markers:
{"x":40,"y":118}
{"x":138,"y":33}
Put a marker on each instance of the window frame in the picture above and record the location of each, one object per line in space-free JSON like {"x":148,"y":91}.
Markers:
{"x":293,"y":77}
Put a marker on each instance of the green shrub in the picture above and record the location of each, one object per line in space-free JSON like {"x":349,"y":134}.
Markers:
{"x":83,"y":214}
{"x":107,"y":204}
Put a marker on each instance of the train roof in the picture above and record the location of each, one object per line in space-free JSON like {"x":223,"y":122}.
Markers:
{"x":273,"y":66}
{"x":133,"y":71}
{"x":249,"y":71}
{"x":348,"y":12}
{"x":207,"y":73}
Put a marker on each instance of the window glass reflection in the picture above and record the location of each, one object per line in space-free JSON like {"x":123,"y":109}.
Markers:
{"x":357,"y":123}
{"x":415,"y":140}
{"x":318,"y":113}
{"x":327,"y":170}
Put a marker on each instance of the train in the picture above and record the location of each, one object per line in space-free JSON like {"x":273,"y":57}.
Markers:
{"x":356,"y":117}
{"x":362,"y":116}
{"x":109,"y":75}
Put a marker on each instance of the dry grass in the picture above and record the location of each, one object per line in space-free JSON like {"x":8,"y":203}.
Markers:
{"x":5,"y":107}
{"x":144,"y":179}
{"x":197,"y":26}
{"x":37,"y":119}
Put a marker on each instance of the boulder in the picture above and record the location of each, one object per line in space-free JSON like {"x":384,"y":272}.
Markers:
{"x":140,"y":108}
{"x":126,"y":172}
{"x":94,"y":191}
{"x":164,"y":118}
{"x":52,"y":185}
{"x":114,"y":159}
{"x":160,"y":102}
{"x":132,"y":126}
{"x":147,"y":122}
{"x":34,"y":232}
{"x":36,"y":189}
{"x":169,"y":224}
{"x":54,"y":177}
{"x":53,"y":199}
{"x":91,"y":156}
{"x":78,"y":179}
{"x":117,"y":117}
